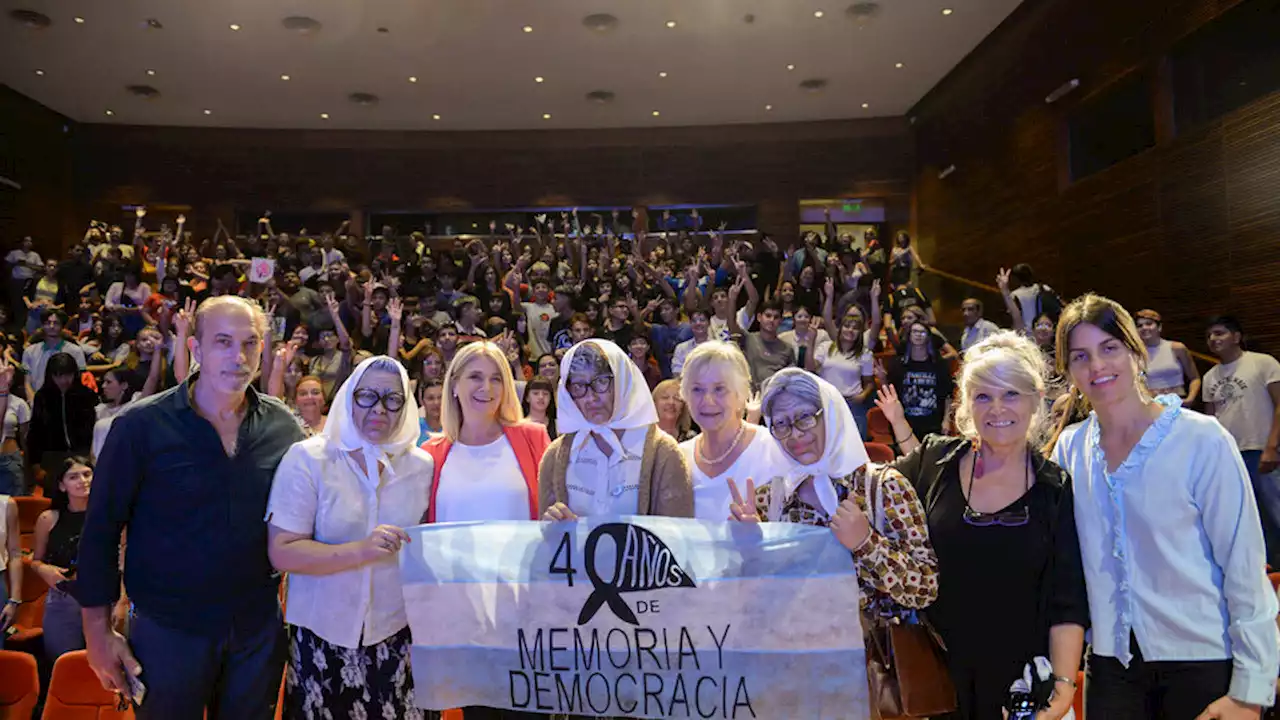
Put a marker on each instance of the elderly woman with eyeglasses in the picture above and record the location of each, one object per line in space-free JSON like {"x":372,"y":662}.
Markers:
{"x":830,"y":484}
{"x":1011,"y":583}
{"x":611,"y":457}
{"x":338,"y":505}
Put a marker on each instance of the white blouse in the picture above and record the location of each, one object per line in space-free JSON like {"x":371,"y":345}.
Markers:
{"x":761,"y":462}
{"x":322,"y":492}
{"x":606,"y":486}
{"x":482,"y":482}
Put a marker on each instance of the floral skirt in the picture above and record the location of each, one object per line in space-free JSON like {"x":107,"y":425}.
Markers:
{"x":331,"y":682}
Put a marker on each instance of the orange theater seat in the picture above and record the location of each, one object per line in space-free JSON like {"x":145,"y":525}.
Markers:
{"x":19,"y":685}
{"x":879,"y":452}
{"x":451,"y":715}
{"x":76,"y":694}
{"x":878,"y":427}
{"x":29,"y":509}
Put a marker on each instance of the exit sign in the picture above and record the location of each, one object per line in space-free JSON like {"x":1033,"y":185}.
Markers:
{"x":852,"y":207}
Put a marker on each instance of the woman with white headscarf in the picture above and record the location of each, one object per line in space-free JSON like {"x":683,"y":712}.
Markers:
{"x":830,"y":484}
{"x":611,"y":458}
{"x":338,"y":505}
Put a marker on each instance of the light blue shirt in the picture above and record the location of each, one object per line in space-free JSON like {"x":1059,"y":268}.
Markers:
{"x":1173,"y":550}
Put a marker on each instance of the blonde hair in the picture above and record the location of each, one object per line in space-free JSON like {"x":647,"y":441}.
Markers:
{"x":1004,"y":361}
{"x":684,"y":424}
{"x":509,"y":412}
{"x":726,"y":356}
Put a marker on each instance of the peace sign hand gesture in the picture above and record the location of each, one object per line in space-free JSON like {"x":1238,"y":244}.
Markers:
{"x":739,"y":510}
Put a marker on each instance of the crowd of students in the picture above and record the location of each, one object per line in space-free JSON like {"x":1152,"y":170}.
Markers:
{"x":1049,"y":479}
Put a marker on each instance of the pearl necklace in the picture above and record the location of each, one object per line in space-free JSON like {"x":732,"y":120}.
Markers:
{"x":742,"y":428}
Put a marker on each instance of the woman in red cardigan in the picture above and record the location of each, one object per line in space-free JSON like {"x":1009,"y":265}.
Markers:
{"x":487,"y":460}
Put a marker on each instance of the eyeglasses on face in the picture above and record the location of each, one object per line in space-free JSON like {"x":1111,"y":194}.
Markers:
{"x":599,"y":384}
{"x":781,"y":429}
{"x":367,"y":398}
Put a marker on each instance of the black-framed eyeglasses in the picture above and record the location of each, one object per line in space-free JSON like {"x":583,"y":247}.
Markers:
{"x":803,"y":423}
{"x":367,"y":398}
{"x":599,"y":384}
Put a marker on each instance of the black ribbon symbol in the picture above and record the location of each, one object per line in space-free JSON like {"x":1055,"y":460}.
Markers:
{"x":605,"y":592}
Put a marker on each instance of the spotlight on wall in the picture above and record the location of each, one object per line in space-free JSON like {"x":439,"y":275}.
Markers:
{"x":943,"y":175}
{"x":1062,"y":91}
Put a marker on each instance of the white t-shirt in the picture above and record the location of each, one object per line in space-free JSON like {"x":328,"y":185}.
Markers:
{"x":539,"y":318}
{"x":1241,"y":402}
{"x":22,"y":272}
{"x":482,"y":482}
{"x":679,"y":355}
{"x":844,"y":372}
{"x":18,"y":413}
{"x":322,"y":492}
{"x":720,"y":328}
{"x":1026,"y":297}
{"x":789,"y":337}
{"x":606,"y":486}
{"x":35,"y":357}
{"x":761,"y":461}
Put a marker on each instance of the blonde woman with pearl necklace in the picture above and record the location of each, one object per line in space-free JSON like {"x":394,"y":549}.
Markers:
{"x":716,"y":386}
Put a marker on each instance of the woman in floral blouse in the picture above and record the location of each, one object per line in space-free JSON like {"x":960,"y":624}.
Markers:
{"x":830,"y":484}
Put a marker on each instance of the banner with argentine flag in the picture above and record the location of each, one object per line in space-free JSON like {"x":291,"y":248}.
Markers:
{"x":643,"y":617}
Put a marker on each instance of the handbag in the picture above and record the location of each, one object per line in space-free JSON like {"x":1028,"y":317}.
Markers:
{"x":906,"y":664}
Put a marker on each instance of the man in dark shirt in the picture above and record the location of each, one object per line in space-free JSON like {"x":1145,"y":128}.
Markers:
{"x":187,"y":473}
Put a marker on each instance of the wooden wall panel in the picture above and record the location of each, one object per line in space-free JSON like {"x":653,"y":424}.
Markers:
{"x":35,"y":152}
{"x":1190,"y":227}
{"x":773,"y":166}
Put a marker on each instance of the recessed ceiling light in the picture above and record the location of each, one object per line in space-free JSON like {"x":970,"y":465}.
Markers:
{"x":818,"y":13}
{"x":656,"y":113}
{"x":324,"y":116}
{"x":79,"y":21}
{"x":791,"y":67}
{"x":671,"y":23}
{"x":208,"y":111}
{"x":151,"y":72}
{"x":546,"y":116}
{"x":866,"y":105}
{"x":40,"y":73}
{"x":539,"y":79}
{"x":110,"y":113}
{"x":435,"y":117}
{"x":898,"y":65}
{"x":413,"y":78}
{"x":528,"y":28}
{"x":234,"y":26}
{"x":154,"y":24}
{"x":947,"y":11}
{"x":284,"y":77}
{"x":768,"y":107}
{"x":662,"y":74}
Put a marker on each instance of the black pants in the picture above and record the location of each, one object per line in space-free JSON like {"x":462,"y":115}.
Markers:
{"x":237,"y":677}
{"x":1169,"y":690}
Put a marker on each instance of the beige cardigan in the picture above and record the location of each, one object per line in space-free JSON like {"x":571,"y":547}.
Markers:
{"x":666,"y":487}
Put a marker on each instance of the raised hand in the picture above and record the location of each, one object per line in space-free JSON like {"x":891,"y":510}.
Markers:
{"x":368,"y":291}
{"x":829,"y":287}
{"x":331,"y":302}
{"x":182,"y":219}
{"x":875,"y":288}
{"x":395,"y":309}
{"x":887,"y":401}
{"x":1002,"y":280}
{"x":183,"y":319}
{"x":540,"y":218}
{"x":141,"y":212}
{"x":740,"y":510}
{"x":754,"y":404}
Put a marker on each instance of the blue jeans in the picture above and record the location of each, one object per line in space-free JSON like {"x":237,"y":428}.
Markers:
{"x":859,"y":411}
{"x":63,"y":628}
{"x":1266,"y":493}
{"x":236,"y":676}
{"x":12,"y":480}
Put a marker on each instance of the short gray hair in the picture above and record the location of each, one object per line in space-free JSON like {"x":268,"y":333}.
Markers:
{"x":790,"y":381}
{"x":726,"y":356}
{"x":590,"y":358}
{"x":255,"y":312}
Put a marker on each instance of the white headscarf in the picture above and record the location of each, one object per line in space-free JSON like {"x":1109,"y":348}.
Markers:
{"x":341,"y":432}
{"x":842,"y":454}
{"x":632,"y":401}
